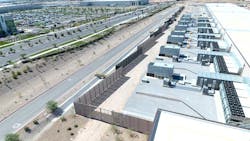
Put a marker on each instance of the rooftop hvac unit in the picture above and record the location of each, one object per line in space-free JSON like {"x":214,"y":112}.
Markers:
{"x":168,"y":83}
{"x":233,"y":101}
{"x":205,"y":62}
{"x":208,"y":91}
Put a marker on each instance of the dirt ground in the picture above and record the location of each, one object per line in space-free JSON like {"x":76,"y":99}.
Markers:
{"x":92,"y":130}
{"x":115,"y":133}
{"x":48,"y":72}
{"x":95,"y":130}
{"x":64,"y":130}
{"x":74,"y":125}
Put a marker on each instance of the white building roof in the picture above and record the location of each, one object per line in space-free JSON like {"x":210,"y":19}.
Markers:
{"x":222,"y":44}
{"x":185,"y":99}
{"x":163,"y":64}
{"x":176,"y":127}
{"x":236,"y":22}
{"x":232,"y":66}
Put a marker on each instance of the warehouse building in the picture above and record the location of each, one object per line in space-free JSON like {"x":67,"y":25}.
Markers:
{"x":200,"y":91}
{"x":153,"y":93}
{"x":235,"y":32}
{"x":213,"y":92}
{"x":113,"y":2}
{"x":173,"y":126}
{"x":7,"y":26}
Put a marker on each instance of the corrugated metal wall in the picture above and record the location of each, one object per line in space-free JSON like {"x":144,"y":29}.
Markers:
{"x":115,"y":118}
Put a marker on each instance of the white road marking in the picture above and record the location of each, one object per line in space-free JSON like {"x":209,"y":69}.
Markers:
{"x":16,"y":125}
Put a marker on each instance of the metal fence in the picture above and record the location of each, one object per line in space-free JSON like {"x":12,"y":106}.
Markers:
{"x":144,"y":47}
{"x":85,"y":104}
{"x":115,"y":118}
{"x":90,"y":96}
{"x":129,"y":59}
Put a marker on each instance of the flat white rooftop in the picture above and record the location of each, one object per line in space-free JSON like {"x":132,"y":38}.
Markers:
{"x":163,"y":64}
{"x":235,"y":21}
{"x":177,"y":127}
{"x":232,"y":65}
{"x":185,"y":99}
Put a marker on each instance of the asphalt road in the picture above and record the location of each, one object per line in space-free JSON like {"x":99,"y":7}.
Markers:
{"x":29,"y":111}
{"x":43,"y":43}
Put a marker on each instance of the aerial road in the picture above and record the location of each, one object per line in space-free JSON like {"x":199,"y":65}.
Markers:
{"x":19,"y":118}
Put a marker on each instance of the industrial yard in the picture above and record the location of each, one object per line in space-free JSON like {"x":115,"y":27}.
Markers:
{"x":192,"y":71}
{"x":42,"y":74}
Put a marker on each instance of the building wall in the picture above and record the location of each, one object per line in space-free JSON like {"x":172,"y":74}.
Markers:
{"x":7,"y":26}
{"x":3,"y":24}
{"x":2,"y":33}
